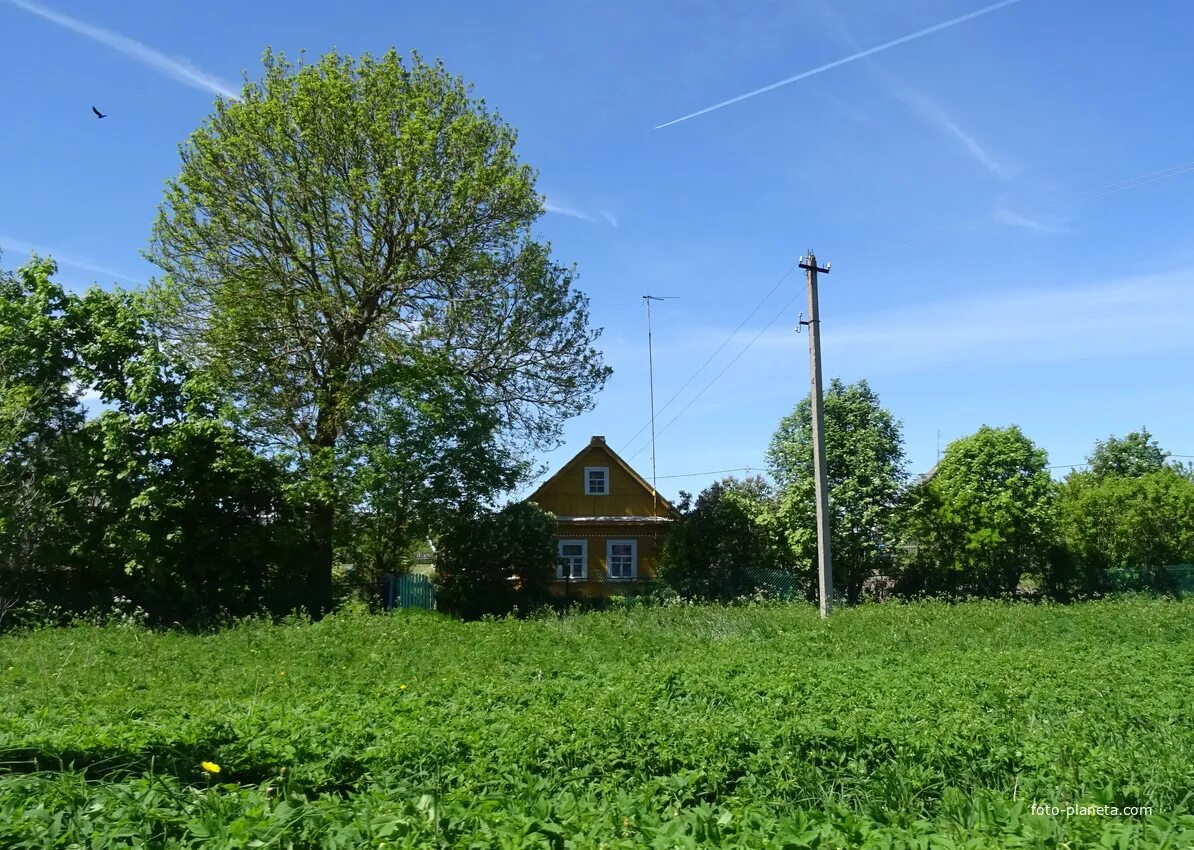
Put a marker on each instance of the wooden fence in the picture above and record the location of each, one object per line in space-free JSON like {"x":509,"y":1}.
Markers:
{"x":408,"y":591}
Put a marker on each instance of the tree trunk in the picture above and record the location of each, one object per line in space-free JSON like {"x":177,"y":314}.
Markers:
{"x":321,"y":554}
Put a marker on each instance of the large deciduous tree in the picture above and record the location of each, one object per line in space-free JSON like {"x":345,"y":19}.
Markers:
{"x":349,"y":223}
{"x":864,"y":453}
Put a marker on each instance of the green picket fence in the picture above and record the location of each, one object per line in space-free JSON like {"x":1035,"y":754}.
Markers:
{"x":409,"y":591}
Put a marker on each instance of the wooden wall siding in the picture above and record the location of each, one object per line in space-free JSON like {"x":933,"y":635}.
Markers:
{"x":565,"y":494}
{"x":590,"y":589}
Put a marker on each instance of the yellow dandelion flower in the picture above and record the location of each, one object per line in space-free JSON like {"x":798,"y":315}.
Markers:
{"x":402,"y":687}
{"x":210,"y":766}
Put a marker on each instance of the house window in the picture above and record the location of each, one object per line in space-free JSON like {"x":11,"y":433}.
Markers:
{"x":574,"y":560}
{"x":622,"y":558}
{"x":596,"y":480}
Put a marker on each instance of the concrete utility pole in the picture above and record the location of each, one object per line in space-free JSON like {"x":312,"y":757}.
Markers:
{"x":824,"y":555}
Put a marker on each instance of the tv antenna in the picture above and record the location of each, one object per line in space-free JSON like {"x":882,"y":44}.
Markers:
{"x":647,"y":299}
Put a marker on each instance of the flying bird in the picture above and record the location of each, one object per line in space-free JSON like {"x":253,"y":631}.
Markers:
{"x":98,"y":114}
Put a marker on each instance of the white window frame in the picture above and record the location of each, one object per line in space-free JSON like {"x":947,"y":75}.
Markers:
{"x":584,"y":559}
{"x":609,"y":559}
{"x":604,"y":470}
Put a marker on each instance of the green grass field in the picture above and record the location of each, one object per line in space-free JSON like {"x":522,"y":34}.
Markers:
{"x":918,"y":726}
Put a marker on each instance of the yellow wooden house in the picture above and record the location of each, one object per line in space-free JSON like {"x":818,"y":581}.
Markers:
{"x":611,"y":523}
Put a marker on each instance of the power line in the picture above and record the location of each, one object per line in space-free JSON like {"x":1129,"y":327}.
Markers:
{"x":693,"y":400}
{"x":962,"y":226}
{"x":724,"y":343}
{"x":758,"y":469}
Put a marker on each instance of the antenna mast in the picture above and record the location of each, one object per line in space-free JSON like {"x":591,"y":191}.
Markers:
{"x":647,"y":299}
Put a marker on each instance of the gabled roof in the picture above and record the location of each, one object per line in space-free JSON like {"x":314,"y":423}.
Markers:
{"x":598,"y":442}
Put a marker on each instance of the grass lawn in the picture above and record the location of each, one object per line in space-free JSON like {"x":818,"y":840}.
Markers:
{"x":919,"y":726}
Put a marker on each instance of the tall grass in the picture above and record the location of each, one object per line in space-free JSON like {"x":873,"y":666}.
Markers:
{"x":902,"y":725}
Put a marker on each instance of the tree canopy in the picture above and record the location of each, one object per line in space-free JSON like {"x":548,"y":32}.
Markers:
{"x":1123,"y":520}
{"x":864,"y":470}
{"x":352,"y":231}
{"x":39,"y":417}
{"x":985,"y":517}
{"x":1132,"y":455}
{"x":157,"y":495}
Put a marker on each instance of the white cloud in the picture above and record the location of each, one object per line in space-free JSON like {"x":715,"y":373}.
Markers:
{"x":1146,"y":316}
{"x":1011,"y":218}
{"x":943,"y":121}
{"x":572,"y":212}
{"x":568,"y":211}
{"x":179,"y":69}
{"x":7,"y":243}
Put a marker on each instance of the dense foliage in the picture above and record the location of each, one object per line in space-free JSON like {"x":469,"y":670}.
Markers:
{"x":1130,"y":456}
{"x":158,"y":498}
{"x":40,"y":419}
{"x":899,"y":726}
{"x":493,"y":563}
{"x":984,"y":519}
{"x":346,"y":233}
{"x":720,"y":547}
{"x":1141,"y":523}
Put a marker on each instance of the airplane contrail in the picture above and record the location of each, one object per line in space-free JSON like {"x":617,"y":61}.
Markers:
{"x":23,"y":247}
{"x":179,"y":69}
{"x":862,"y":54}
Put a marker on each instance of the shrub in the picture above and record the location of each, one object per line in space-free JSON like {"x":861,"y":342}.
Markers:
{"x":494,"y":563}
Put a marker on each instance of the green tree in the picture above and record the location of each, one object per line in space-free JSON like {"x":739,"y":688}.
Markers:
{"x":174,"y":497}
{"x":158,"y":498}
{"x":349,"y":223}
{"x":864,"y":452}
{"x":40,"y":418}
{"x":1131,"y":456}
{"x":494,"y":562}
{"x":1134,"y":524}
{"x":716,"y":549}
{"x":984,"y":519}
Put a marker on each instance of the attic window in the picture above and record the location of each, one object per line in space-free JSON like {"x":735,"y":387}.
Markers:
{"x":596,"y":480}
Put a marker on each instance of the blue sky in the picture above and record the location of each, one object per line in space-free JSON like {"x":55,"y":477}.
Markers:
{"x":990,"y":263}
